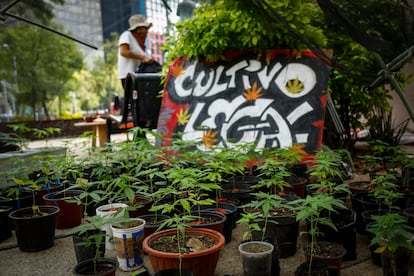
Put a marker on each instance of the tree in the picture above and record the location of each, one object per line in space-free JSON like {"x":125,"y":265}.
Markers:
{"x":45,"y":62}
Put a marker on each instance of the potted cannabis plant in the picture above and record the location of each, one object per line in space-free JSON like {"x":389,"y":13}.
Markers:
{"x":394,"y":239}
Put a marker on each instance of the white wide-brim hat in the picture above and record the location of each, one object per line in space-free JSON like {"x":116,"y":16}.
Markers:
{"x":138,"y":20}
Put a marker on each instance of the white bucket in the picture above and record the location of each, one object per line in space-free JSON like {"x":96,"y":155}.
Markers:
{"x":105,"y":211}
{"x":128,"y":245}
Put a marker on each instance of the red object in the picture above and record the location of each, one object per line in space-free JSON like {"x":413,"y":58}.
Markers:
{"x":201,"y":263}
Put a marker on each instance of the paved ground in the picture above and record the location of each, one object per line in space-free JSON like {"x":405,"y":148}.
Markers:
{"x":60,"y":259}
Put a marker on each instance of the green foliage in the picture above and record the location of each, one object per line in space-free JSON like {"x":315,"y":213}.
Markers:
{"x":240,"y":25}
{"x":326,"y":171}
{"x":391,"y":231}
{"x":382,"y":127}
{"x":385,"y":190}
{"x":45,"y":62}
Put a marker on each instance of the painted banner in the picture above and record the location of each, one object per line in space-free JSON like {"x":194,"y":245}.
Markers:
{"x":276,"y":98}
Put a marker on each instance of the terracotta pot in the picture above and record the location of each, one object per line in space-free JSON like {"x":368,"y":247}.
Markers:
{"x":201,"y":263}
{"x":70,"y":214}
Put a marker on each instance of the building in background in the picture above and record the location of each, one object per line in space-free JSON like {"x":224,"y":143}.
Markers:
{"x":93,"y":21}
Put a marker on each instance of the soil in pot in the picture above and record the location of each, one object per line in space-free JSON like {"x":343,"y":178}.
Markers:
{"x":190,"y":243}
{"x":344,"y":221}
{"x":329,"y":253}
{"x":104,"y":267}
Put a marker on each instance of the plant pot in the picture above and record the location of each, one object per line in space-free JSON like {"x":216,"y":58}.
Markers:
{"x":359,"y":187}
{"x":236,"y":191}
{"x":375,"y":257}
{"x":362,"y":202}
{"x":84,"y":252}
{"x":298,"y":185}
{"x":46,"y":188}
{"x":128,"y":244}
{"x":345,"y":235}
{"x":104,"y":267}
{"x":332,"y":254}
{"x":230,"y":211}
{"x":70,"y":214}
{"x":112,"y":210}
{"x":409,"y":213}
{"x":152,"y":223}
{"x":24,"y":199}
{"x":400,"y":260}
{"x":210,"y":220}
{"x":142,"y":205}
{"x":5,"y":223}
{"x":174,"y":272}
{"x":34,"y":233}
{"x":282,"y":232}
{"x":319,"y":269}
{"x":201,"y":263}
{"x":256,"y":258}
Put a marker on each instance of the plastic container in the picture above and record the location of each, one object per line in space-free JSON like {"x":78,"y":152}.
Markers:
{"x":110,"y":210}
{"x":128,"y":244}
{"x":256,"y":258}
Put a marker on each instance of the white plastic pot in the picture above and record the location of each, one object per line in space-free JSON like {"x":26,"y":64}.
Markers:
{"x":109,"y":210}
{"x":128,"y":245}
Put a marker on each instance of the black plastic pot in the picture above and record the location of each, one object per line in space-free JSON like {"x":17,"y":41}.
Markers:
{"x":85,"y":252}
{"x":401,"y":258}
{"x":345,"y":234}
{"x":104,"y":267}
{"x":317,"y":268}
{"x":283,"y":234}
{"x":152,"y":222}
{"x":362,"y":202}
{"x":5,"y":223}
{"x":24,"y":199}
{"x":34,"y":233}
{"x":230,"y":211}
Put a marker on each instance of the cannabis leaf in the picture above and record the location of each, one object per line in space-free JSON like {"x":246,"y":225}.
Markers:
{"x":294,"y":86}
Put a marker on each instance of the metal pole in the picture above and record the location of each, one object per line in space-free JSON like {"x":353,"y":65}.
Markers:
{"x":390,"y":76}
